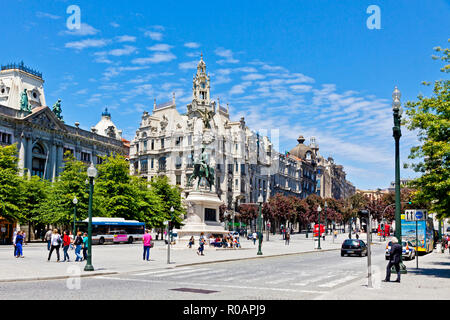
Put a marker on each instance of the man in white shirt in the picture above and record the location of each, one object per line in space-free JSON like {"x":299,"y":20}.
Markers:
{"x":254,"y":236}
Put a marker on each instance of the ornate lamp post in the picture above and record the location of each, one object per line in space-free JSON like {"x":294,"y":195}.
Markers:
{"x":260,"y":202}
{"x":92,"y":173}
{"x":318,"y":211}
{"x":75,"y":201}
{"x":396,"y":107}
{"x":169,"y":234}
{"x":325,"y":212}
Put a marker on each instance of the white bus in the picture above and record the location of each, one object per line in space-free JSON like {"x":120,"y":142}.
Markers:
{"x":114,"y":230}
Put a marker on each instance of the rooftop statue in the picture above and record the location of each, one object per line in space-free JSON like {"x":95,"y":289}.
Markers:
{"x":57,"y":109}
{"x":24,"y":105}
{"x":206,"y":118}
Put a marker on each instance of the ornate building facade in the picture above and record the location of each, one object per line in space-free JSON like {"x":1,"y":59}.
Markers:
{"x":167,"y":143}
{"x":40,"y":133}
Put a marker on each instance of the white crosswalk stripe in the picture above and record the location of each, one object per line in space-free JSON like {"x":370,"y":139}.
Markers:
{"x":338,"y":281}
{"x":177,"y":272}
{"x":315,"y":279}
{"x":161,"y":271}
{"x":200,"y":274}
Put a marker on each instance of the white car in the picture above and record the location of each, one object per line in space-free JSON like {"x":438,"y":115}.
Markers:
{"x":408,"y":251}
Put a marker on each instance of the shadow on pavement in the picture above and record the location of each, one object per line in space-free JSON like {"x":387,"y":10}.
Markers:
{"x":432,"y":272}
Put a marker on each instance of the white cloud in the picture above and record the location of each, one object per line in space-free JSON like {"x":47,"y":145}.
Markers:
{"x":154,"y":35}
{"x":227,"y":54}
{"x":115,"y":71}
{"x":157,"y":57}
{"x":188,"y":65}
{"x":192,"y":45}
{"x":126,"y":38}
{"x":301,"y":88}
{"x":126,"y":50}
{"x":160,"y":47}
{"x":253,"y":76}
{"x":240,"y":88}
{"x":84,"y":30}
{"x":41,"y":14}
{"x":87,"y":43}
{"x":114,"y":24}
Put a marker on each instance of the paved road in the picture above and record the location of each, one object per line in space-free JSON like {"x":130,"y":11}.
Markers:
{"x":303,"y":276}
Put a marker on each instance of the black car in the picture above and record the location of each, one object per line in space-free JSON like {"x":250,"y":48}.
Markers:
{"x":354,"y":246}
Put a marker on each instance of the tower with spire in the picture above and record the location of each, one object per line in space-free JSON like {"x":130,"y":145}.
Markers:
{"x":200,"y":86}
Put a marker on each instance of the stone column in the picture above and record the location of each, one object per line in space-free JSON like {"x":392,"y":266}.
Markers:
{"x":22,"y":147}
{"x":29,"y":154}
{"x":59,"y":159}
{"x":54,"y":161}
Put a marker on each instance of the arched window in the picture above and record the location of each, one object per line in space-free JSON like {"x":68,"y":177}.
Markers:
{"x":38,"y":149}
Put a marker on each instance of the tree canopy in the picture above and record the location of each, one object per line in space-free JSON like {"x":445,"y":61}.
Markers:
{"x":430,"y":117}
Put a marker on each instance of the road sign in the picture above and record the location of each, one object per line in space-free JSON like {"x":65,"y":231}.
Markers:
{"x":415,"y":215}
{"x":419,"y":215}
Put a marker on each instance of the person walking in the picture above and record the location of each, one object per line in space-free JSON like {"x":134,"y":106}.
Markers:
{"x":66,"y":246}
{"x":85,"y":245}
{"x":288,"y":237}
{"x":56,"y":242}
{"x":254,"y":236}
{"x":48,"y":238}
{"x":147,"y":240}
{"x":201,"y":247}
{"x":77,"y":243}
{"x":394,"y":260}
{"x":19,"y":243}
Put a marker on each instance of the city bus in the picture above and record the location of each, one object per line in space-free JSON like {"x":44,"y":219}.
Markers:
{"x":115,"y":230}
{"x":425,"y":232}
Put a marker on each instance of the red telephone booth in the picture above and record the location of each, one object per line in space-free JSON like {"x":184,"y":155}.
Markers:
{"x":316,"y":230}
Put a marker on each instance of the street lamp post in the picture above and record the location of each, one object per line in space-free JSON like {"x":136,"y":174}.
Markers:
{"x":350,"y":222}
{"x":92,"y":173}
{"x":366,"y":213}
{"x":75,"y":201}
{"x":169,"y":233}
{"x":260,"y":202}
{"x":325,"y":213}
{"x":396,"y":107}
{"x":318,"y":235}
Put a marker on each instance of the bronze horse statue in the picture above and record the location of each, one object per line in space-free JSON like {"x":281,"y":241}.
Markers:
{"x":202,"y":170}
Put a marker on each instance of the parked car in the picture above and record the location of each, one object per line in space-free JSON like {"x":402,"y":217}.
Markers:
{"x":354,"y":246}
{"x":408,"y":251}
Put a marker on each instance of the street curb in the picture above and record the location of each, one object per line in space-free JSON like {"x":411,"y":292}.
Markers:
{"x":59,"y":277}
{"x":85,"y":275}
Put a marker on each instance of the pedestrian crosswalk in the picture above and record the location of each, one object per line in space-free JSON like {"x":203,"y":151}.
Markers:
{"x":287,"y":279}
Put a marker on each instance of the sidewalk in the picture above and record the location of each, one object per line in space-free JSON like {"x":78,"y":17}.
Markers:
{"x":431,"y":281}
{"x":123,"y":258}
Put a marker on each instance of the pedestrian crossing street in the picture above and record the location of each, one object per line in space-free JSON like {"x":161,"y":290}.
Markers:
{"x":304,"y":279}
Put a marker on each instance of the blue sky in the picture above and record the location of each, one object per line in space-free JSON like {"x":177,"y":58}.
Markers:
{"x":294,"y":67}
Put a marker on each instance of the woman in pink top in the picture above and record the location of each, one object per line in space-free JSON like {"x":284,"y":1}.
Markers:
{"x":147,"y":239}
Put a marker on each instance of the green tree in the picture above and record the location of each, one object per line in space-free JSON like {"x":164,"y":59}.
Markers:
{"x":114,"y":194}
{"x":58,"y":207}
{"x":10,"y":183}
{"x":149,"y":204}
{"x":34,"y":192}
{"x":170,"y":197}
{"x":431,"y":118}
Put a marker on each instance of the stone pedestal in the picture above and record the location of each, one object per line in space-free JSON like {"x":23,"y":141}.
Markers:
{"x":202,"y":217}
